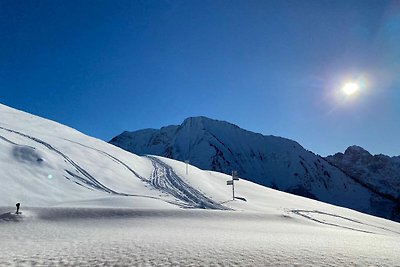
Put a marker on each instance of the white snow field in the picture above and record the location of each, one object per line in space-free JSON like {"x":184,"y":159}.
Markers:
{"x":87,"y":203}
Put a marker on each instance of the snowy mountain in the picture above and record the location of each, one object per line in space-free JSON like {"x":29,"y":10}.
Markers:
{"x":88,"y":203}
{"x":380,"y":173}
{"x":271,"y":161}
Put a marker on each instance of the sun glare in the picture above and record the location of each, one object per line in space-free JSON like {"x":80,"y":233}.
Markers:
{"x":350,"y":88}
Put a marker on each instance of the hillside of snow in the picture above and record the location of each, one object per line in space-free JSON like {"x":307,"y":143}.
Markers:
{"x":271,"y":161}
{"x":44,"y":163}
{"x":85,"y":202}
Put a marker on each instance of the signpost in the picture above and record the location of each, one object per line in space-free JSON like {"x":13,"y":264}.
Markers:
{"x":232,"y":183}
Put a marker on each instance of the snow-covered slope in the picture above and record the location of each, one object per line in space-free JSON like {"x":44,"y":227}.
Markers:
{"x":43,"y":163}
{"x":85,"y":202}
{"x":267,"y":160}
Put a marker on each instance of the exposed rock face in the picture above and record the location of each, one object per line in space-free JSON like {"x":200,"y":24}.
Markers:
{"x":380,"y":173}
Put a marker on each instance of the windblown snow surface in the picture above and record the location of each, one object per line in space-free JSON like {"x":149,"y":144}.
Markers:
{"x":87,"y":203}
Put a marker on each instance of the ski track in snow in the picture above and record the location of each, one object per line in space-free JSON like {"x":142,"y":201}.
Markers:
{"x":89,"y":180}
{"x":308,"y":215}
{"x":164,"y":178}
{"x":147,"y":181}
{"x":113,"y":158}
{"x":114,"y":237}
{"x":8,"y":141}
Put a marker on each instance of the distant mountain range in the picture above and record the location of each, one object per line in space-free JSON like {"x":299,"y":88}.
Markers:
{"x":379,"y":173}
{"x":355,"y":179}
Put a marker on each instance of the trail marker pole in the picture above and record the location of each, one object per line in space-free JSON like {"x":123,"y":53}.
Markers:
{"x":233,"y":186}
{"x":232,"y":183}
{"x":187,"y":166}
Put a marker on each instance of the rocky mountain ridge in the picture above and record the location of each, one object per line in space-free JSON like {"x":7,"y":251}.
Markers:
{"x":379,"y":172}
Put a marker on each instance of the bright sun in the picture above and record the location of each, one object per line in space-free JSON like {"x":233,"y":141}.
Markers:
{"x":350,"y":88}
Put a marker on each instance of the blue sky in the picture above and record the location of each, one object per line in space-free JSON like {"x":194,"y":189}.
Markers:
{"x":274,"y":67}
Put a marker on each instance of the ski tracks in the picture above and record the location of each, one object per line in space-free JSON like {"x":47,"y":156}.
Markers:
{"x":88,"y":180}
{"x":165,"y":179}
{"x":308,"y":214}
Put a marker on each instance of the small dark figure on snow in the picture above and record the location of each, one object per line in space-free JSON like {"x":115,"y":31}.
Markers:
{"x":18,"y":204}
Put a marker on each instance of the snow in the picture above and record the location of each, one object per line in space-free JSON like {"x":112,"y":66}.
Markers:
{"x":88,"y":237}
{"x":105,"y":206}
{"x":267,"y":160}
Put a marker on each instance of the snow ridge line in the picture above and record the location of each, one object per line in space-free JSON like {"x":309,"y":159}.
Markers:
{"x":165,"y":179}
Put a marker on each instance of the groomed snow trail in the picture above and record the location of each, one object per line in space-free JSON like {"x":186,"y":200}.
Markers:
{"x":165,"y":179}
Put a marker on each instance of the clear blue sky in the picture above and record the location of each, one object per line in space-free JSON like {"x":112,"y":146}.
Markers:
{"x":274,"y":67}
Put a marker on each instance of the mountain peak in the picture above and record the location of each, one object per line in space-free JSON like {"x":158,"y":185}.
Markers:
{"x":267,"y":160}
{"x":204,"y":121}
{"x":195,"y":121}
{"x":356,"y":150}
{"x":197,"y":118}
